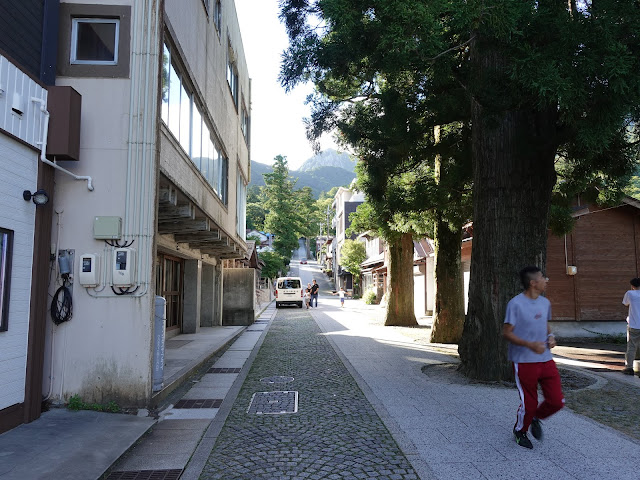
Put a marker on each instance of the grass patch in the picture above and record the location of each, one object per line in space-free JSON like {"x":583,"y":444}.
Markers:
{"x":76,"y":403}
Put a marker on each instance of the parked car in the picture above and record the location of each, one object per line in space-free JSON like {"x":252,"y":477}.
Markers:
{"x":303,"y":261}
{"x":289,"y":291}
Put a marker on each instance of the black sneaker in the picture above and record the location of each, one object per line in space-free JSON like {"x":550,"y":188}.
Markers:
{"x":628,"y":371}
{"x":536,"y":429}
{"x":522,"y":439}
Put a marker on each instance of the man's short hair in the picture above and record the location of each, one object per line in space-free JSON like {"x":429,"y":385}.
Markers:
{"x":635,"y":282}
{"x":527,"y":274}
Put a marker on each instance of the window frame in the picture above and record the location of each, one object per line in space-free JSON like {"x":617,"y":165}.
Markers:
{"x":74,"y":41}
{"x":217,"y":16}
{"x":71,"y":11}
{"x":218,"y":177}
{"x":244,"y":122}
{"x":207,"y":6}
{"x":233,"y":81}
{"x":6,"y":256}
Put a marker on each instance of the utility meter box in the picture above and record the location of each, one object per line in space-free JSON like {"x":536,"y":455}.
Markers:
{"x":124,"y":267}
{"x":107,"y":228}
{"x":89,"y":270}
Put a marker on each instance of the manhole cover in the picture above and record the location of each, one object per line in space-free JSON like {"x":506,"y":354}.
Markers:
{"x":273,"y":403}
{"x":276,"y":379}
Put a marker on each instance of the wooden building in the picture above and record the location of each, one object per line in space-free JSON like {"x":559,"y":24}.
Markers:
{"x":590,"y":268}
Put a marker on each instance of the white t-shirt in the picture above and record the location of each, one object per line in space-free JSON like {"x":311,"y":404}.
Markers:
{"x":632,"y":300}
{"x":529,"y":318}
{"x":341,"y":293}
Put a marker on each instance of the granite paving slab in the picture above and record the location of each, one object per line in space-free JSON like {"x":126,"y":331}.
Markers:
{"x":334,"y":434}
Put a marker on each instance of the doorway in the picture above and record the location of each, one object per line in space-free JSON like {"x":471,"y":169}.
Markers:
{"x":169,"y":284}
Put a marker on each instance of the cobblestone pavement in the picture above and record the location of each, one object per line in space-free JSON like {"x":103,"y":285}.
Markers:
{"x":335,"y":432}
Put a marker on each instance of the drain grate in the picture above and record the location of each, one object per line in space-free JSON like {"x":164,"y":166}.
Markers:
{"x":276,"y":379}
{"x":224,"y":370}
{"x":273,"y":403}
{"x":146,"y":475}
{"x":199,"y":403}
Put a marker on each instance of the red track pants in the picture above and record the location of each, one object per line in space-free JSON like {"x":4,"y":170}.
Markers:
{"x":528,"y":375}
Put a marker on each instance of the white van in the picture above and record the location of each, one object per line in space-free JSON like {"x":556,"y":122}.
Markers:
{"x":289,"y":291}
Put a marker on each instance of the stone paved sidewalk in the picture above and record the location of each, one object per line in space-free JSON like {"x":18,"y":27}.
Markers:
{"x":335,"y":432}
{"x":462,"y":429}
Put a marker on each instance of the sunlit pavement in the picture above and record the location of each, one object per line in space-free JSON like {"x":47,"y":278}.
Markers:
{"x":435,"y":425}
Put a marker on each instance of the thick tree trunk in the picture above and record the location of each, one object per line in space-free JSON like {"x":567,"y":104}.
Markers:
{"x":448,"y":313}
{"x":513,"y":172}
{"x":400,"y":282}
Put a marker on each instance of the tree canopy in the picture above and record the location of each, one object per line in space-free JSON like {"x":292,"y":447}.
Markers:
{"x":546,"y":91}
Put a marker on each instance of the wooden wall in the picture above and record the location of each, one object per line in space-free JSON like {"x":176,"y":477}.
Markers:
{"x":604,"y":247}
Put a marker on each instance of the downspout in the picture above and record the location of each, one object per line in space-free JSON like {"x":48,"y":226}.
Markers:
{"x":43,"y":145}
{"x":146,"y":200}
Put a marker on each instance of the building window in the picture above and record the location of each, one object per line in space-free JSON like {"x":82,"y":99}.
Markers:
{"x":241,"y":206}
{"x":186,"y":120}
{"x":6,"y":246}
{"x":94,"y":41}
{"x":217,"y":16}
{"x":245,"y":124}
{"x":232,"y":80}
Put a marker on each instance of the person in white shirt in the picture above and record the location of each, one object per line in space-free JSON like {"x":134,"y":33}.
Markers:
{"x":632,"y":300}
{"x":341,"y":293}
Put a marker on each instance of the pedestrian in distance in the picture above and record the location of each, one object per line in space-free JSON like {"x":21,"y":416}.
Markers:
{"x":632,"y":300}
{"x":314,"y":292}
{"x":307,"y":295}
{"x":527,"y":330}
{"x":341,"y":293}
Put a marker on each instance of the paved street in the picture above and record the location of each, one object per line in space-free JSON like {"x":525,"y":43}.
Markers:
{"x":335,"y":432}
{"x":366,"y":409}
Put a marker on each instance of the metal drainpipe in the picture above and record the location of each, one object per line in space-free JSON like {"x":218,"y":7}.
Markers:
{"x":43,"y":145}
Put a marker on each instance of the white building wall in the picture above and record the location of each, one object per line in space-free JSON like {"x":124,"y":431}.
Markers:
{"x":104,"y":352}
{"x":19,"y":167}
{"x":18,"y":164}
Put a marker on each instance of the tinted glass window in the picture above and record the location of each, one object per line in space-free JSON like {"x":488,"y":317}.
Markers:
{"x":96,"y":40}
{"x":289,"y":283}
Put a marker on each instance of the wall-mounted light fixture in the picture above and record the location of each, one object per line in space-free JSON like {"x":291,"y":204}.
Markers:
{"x":39,"y":197}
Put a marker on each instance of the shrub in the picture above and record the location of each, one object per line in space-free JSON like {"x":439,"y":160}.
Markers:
{"x":369,"y":297}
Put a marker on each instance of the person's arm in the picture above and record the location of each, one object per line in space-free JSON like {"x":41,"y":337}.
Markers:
{"x":551,"y":338}
{"x":507,"y":333}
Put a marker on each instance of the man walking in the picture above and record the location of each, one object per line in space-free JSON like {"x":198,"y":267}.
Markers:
{"x":530,"y":339}
{"x":314,"y":292}
{"x":632,"y":300}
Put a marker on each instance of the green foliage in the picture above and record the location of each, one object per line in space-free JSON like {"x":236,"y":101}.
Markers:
{"x":75,"y":403}
{"x":633,"y":187}
{"x":352,"y":254}
{"x":388,"y":72}
{"x":283,"y":218}
{"x":273,"y":264}
{"x":369,"y":297}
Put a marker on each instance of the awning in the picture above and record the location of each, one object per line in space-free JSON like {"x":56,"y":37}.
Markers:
{"x":379,"y":258}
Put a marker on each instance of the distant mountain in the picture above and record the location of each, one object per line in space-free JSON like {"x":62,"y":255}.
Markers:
{"x":329,"y":158}
{"x":321,"y":175}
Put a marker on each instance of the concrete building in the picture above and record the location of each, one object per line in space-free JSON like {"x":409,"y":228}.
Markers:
{"x":151,"y":201}
{"x":345,"y":202}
